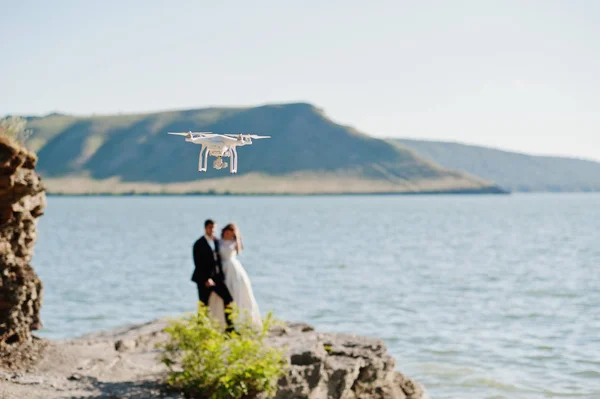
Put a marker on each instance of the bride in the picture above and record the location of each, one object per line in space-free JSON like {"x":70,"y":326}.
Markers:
{"x":236,"y":280}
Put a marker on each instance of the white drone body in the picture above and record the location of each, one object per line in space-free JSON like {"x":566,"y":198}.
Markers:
{"x":219,"y":146}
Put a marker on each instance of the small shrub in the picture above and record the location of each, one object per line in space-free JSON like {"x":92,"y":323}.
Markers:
{"x":205,"y":362}
{"x":13,"y":128}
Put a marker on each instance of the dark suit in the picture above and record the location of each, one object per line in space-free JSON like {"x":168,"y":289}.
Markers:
{"x":208,"y":265}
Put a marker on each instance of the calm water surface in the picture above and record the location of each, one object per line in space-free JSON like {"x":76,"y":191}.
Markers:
{"x":475,"y":296}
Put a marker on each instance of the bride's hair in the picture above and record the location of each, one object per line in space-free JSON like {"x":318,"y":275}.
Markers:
{"x":236,"y":235}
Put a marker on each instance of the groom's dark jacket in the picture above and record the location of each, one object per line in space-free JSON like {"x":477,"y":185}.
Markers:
{"x":207,"y":263}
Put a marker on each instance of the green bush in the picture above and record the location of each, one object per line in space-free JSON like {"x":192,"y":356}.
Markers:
{"x":205,"y":362}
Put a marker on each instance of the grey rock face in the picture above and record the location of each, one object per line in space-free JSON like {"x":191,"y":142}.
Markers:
{"x":340,"y":366}
{"x":22,"y":201}
{"x":122,"y":363}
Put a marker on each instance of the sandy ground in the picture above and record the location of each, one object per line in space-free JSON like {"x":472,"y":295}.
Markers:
{"x":116,"y":364}
{"x":297,"y":183}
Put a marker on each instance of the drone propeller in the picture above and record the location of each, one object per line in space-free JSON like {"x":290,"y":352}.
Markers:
{"x":179,"y":134}
{"x":252,"y":136}
{"x":192,"y":134}
{"x":255,"y":136}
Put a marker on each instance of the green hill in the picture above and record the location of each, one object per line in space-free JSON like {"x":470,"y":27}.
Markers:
{"x":308,"y":153}
{"x":512,"y":171}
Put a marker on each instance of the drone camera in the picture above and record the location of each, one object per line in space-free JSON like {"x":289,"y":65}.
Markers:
{"x":219,"y":164}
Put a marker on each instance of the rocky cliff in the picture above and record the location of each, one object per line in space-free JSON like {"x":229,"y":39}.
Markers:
{"x":122,"y":363}
{"x":340,"y":366}
{"x":22,"y":201}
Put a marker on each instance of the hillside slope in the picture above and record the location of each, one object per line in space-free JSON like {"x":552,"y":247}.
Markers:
{"x":308,"y":153}
{"x":512,"y":171}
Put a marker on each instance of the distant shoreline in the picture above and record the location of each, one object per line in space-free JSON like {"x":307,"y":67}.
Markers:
{"x":266,"y":194}
{"x":390,"y":194}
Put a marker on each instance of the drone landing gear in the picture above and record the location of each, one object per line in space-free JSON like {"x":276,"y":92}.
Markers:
{"x":233,"y":166}
{"x":218,"y":163}
{"x":201,"y":167}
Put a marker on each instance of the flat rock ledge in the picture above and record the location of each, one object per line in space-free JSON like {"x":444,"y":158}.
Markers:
{"x":122,"y":363}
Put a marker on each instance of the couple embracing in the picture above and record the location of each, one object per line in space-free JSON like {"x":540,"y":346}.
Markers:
{"x":221,"y":278}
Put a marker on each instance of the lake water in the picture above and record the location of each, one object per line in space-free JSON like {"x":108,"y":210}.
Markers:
{"x":475,"y":296}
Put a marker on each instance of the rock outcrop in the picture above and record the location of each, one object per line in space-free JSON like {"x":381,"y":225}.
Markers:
{"x":340,"y":366}
{"x":22,"y":201}
{"x":122,"y":363}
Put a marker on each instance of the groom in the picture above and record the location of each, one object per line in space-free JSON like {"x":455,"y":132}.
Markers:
{"x":208,"y":273}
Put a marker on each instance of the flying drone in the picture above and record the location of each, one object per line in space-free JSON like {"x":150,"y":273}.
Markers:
{"x":219,"y":146}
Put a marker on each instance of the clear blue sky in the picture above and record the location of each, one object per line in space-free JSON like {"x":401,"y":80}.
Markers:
{"x":521,"y":75}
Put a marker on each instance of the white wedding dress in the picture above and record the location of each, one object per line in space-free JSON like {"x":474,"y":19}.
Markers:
{"x":238,"y":284}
